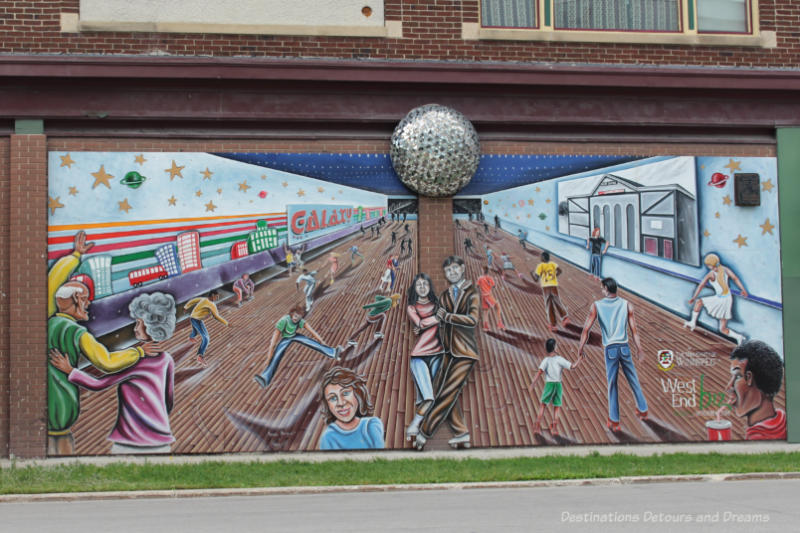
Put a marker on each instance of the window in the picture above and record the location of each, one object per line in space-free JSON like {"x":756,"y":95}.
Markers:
{"x":712,"y":22}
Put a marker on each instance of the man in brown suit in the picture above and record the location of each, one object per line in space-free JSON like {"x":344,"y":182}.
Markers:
{"x":458,"y":316}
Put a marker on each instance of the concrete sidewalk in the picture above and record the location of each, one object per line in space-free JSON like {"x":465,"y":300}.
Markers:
{"x":641,"y":450}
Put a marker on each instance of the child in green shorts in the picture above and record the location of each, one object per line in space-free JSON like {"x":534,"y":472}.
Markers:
{"x":551,"y":366}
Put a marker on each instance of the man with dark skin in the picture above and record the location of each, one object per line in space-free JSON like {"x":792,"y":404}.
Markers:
{"x":756,"y":377}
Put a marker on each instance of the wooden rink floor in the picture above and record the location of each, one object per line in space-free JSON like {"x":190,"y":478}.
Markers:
{"x":221,"y":409}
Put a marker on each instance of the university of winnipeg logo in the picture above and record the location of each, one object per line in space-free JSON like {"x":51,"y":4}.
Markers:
{"x":666,"y":360}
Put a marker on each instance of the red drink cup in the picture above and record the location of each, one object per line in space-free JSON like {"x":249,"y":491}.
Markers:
{"x":719,"y":429}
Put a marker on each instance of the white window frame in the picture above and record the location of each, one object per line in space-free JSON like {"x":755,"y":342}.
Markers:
{"x":687,"y":35}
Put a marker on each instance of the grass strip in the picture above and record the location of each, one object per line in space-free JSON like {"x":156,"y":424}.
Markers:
{"x":77,"y":477}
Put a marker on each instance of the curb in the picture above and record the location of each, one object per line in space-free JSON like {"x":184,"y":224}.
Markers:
{"x":278,"y":491}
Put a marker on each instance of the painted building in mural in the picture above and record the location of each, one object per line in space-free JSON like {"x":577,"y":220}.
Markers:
{"x":303,"y":322}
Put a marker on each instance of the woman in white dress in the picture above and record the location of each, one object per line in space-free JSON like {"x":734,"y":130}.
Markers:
{"x":720,"y":303}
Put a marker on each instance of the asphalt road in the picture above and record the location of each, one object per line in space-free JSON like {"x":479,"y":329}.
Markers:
{"x":729,"y":506}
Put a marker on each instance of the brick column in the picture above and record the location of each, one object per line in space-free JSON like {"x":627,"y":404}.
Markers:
{"x":5,"y":381}
{"x":435,"y":237}
{"x":26,"y":249}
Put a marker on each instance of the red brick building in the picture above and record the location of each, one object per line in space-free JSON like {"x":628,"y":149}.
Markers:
{"x":681,"y":77}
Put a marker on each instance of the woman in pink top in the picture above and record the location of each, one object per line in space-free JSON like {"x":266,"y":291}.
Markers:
{"x":427,"y":353}
{"x":145,"y":392}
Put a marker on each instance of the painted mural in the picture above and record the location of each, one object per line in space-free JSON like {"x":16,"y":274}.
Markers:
{"x":208,"y":303}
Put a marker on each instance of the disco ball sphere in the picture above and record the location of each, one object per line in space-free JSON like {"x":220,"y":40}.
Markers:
{"x":435,"y":150}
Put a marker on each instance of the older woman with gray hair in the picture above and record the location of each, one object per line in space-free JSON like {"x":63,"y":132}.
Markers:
{"x":145,"y":392}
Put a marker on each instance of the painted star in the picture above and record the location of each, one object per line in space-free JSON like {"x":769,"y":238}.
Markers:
{"x":66,"y":161}
{"x":716,"y":214}
{"x":733,"y":165}
{"x":547,"y":228}
{"x":198,"y":193}
{"x":547,"y":201}
{"x":538,"y":189}
{"x":320,"y":189}
{"x":340,"y":191}
{"x":706,"y":233}
{"x":139,"y":159}
{"x":206,"y":174}
{"x":767,"y":185}
{"x":54,"y":204}
{"x":101,"y":177}
{"x":73,"y":191}
{"x":285,"y":183}
{"x":243,"y":186}
{"x":219,"y":191}
{"x":528,"y":215}
{"x":766,"y":227}
{"x":301,"y":192}
{"x":124,"y":205}
{"x":530,"y":201}
{"x":172,"y":200}
{"x":727,"y":199}
{"x":174,"y":171}
{"x":263,"y":176}
{"x":210,"y":206}
{"x":741,"y":241}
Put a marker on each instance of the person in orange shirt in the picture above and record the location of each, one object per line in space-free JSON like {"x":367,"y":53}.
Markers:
{"x":547,"y":275}
{"x":203,"y":308}
{"x":488,"y":303}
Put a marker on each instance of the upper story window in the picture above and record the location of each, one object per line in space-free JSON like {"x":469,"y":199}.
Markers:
{"x":712,"y":22}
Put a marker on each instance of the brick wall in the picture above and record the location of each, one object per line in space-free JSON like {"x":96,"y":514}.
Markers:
{"x":23,"y":224}
{"x":27,"y":295}
{"x":432,"y":32}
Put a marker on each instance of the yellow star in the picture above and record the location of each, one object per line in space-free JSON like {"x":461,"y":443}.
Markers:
{"x":66,"y":161}
{"x":320,"y":189}
{"x":73,"y":191}
{"x":198,"y":193}
{"x":263,"y":176}
{"x":766,"y":227}
{"x":54,"y":204}
{"x":530,"y":201}
{"x":101,"y":177}
{"x":706,"y":233}
{"x":727,"y":199}
{"x":333,"y":198}
{"x":172,"y":200}
{"x":547,"y":228}
{"x":139,"y":159}
{"x":124,"y":205}
{"x":340,"y":191}
{"x":528,"y":215}
{"x":716,"y":214}
{"x":741,"y":241}
{"x":210,"y":206}
{"x":767,"y":185}
{"x":219,"y":191}
{"x":206,"y":174}
{"x":285,"y":184}
{"x":548,"y":200}
{"x":243,"y":186}
{"x":174,"y":171}
{"x":538,"y":189}
{"x":301,"y":192}
{"x":733,"y":165}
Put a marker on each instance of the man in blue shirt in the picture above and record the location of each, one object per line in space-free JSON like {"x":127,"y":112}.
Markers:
{"x":615,"y":315}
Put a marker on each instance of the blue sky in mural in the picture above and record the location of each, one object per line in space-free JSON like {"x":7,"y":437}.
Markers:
{"x":374,"y":172}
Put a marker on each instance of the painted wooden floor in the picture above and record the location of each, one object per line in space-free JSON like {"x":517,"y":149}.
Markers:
{"x":221,"y":409}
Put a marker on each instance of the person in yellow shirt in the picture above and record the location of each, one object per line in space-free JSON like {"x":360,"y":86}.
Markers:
{"x":546,"y":274}
{"x":203,"y":308}
{"x":67,"y":304}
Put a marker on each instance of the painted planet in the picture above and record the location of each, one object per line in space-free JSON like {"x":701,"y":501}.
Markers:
{"x":718,"y":180}
{"x":262,"y":194}
{"x":486,"y":202}
{"x":521,"y":203}
{"x":133,"y":179}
